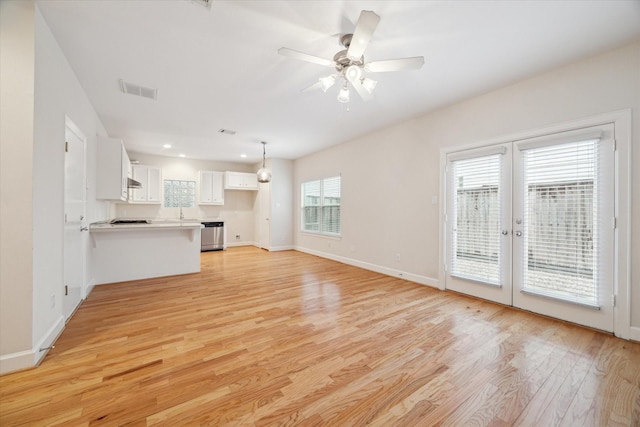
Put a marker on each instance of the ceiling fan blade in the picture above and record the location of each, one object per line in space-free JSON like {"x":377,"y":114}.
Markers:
{"x":306,"y":57}
{"x":395,"y":65}
{"x":365,"y":27}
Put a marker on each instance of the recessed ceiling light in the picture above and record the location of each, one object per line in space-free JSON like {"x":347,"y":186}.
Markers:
{"x":166,"y":146}
{"x":244,"y":156}
{"x":181,"y":155}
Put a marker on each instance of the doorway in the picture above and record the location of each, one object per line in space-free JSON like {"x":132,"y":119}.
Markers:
{"x":74,"y":218}
{"x":530,"y":223}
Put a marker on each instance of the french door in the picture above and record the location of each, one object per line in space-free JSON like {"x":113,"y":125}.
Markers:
{"x":530,"y":224}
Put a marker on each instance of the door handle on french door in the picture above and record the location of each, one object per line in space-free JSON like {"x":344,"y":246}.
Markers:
{"x":505,"y":232}
{"x":84,"y":228}
{"x":518,"y":233}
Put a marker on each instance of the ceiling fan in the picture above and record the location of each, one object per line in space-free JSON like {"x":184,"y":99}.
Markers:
{"x":349,"y":63}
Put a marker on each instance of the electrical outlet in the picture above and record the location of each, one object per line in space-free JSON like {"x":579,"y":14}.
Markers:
{"x":398,"y":257}
{"x":53,"y":301}
{"x":237,"y":237}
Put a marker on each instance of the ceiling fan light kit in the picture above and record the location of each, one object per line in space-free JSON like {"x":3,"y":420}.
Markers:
{"x":349,"y":63}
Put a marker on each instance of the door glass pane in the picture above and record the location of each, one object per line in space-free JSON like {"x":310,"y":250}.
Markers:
{"x":560,"y":221}
{"x":475,"y":252}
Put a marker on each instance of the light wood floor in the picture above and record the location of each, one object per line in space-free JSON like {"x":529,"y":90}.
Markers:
{"x":286,"y":338}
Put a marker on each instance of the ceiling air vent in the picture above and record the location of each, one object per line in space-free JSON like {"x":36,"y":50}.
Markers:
{"x":134,"y":89}
{"x":227,"y":131}
{"x":203,"y":3}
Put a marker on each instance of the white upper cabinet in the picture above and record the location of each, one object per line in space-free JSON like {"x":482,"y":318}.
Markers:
{"x":240,"y":181}
{"x":151,"y":179}
{"x":211,"y":188}
{"x":112,"y":170}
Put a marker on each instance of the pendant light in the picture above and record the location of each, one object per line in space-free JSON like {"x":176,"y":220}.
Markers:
{"x":264,"y":175}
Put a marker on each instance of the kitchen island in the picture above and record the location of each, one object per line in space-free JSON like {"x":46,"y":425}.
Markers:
{"x":141,"y":250}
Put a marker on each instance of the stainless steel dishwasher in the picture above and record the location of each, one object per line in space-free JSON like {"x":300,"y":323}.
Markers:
{"x":212,"y":236}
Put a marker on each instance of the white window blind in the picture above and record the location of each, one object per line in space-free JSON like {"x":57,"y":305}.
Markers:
{"x":321,"y":206}
{"x":477,"y":198}
{"x":561,"y":221}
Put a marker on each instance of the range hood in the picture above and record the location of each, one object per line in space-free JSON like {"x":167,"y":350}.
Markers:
{"x":132,"y":183}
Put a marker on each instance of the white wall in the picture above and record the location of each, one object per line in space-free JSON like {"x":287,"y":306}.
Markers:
{"x":237,"y":210}
{"x":36,"y":206}
{"x":389,"y":177}
{"x":16,"y":170}
{"x":58,"y":94}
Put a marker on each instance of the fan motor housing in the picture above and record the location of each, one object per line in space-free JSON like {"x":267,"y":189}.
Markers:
{"x":341,"y":59}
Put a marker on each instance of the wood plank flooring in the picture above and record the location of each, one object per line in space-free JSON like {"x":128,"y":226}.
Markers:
{"x":285,"y":338}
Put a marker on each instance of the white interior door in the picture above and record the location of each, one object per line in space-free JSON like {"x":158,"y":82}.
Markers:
{"x":531,"y":224}
{"x":74,"y":217}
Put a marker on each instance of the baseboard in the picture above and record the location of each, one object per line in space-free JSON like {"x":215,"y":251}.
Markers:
{"x":423,"y":280}
{"x":92,"y":284}
{"x":634,"y":333}
{"x":281,"y":248}
{"x":230,"y":244}
{"x":17,"y":361}
{"x":274,"y":248}
{"x":31,"y":358}
{"x":49,"y":338}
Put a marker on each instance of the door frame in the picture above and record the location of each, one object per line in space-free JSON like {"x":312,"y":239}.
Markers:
{"x":622,"y":241}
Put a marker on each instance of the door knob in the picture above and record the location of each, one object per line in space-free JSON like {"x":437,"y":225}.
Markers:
{"x":518,"y":233}
{"x":505,"y":232}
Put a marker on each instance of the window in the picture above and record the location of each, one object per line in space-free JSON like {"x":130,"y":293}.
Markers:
{"x":179,"y":194}
{"x":321,"y":206}
{"x":561,"y":213}
{"x":476,"y":204}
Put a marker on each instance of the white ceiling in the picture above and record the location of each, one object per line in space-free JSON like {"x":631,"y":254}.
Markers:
{"x":219,"y":68}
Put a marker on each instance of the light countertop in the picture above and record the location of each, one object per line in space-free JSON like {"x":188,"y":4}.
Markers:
{"x":156,"y":224}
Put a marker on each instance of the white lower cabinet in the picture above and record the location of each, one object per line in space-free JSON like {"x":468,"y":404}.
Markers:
{"x":240,"y":181}
{"x":151,"y":179}
{"x":211,"y":188}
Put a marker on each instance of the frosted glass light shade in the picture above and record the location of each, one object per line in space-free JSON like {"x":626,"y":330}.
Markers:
{"x":343,"y":96}
{"x":264,"y":175}
{"x":369,"y":84}
{"x":327,"y":82}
